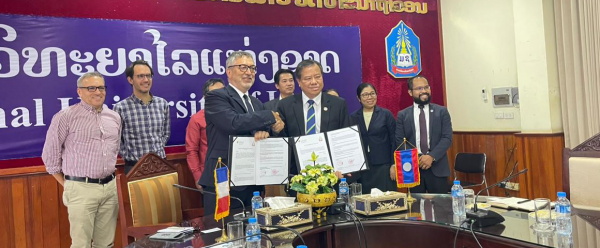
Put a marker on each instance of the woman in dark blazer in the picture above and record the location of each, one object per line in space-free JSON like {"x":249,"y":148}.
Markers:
{"x":377,"y":127}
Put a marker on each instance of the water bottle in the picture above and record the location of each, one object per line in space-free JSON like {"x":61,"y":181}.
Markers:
{"x":257,"y":202}
{"x":252,"y":229}
{"x":563,"y":214}
{"x":345,"y":192}
{"x":458,"y":200}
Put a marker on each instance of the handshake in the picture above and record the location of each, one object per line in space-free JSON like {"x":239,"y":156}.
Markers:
{"x":276,"y":127}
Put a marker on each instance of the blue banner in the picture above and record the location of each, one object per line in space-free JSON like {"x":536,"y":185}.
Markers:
{"x":42,"y":57}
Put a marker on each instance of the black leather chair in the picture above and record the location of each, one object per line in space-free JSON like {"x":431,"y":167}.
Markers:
{"x":470,"y":163}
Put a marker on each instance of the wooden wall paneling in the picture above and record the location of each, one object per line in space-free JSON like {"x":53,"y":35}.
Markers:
{"x":35,"y":215}
{"x":50,"y":205}
{"x":542,"y":155}
{"x":18,"y":195}
{"x":558,"y":144}
{"x":6,"y":217}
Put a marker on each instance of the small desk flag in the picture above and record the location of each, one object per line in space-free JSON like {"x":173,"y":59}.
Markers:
{"x":407,"y":168}
{"x":222,"y":188}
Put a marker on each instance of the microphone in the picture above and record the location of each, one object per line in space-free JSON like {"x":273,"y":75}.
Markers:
{"x":240,"y":216}
{"x":489,"y":218}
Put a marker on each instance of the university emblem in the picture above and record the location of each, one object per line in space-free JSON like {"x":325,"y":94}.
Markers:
{"x":403,"y":52}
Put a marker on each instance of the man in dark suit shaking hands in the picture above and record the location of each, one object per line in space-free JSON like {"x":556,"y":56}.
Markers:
{"x":427,"y":126}
{"x":311,"y":111}
{"x":232,"y":111}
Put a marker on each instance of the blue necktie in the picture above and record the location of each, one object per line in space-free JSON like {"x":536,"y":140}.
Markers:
{"x":311,"y":126}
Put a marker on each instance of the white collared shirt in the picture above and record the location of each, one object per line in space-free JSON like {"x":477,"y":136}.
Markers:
{"x":317,"y":106}
{"x":417,"y":112}
{"x":242,"y":96}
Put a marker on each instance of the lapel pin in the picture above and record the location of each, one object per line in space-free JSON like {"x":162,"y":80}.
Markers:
{"x":431,"y":111}
{"x":325,"y":109}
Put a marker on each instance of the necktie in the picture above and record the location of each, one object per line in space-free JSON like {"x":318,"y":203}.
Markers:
{"x":248,"y":105}
{"x":423,"y":131}
{"x":311,"y":126}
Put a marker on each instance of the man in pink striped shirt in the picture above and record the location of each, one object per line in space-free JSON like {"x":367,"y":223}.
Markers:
{"x":81,"y":150}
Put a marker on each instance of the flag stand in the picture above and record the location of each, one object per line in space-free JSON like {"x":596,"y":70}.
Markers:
{"x":221,"y":216}
{"x":223,"y":237}
{"x":409,"y":199}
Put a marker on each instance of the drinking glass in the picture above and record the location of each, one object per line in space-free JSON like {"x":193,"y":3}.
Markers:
{"x":469,"y":199}
{"x":355,"y":190}
{"x":235,"y":230}
{"x":543,"y":215}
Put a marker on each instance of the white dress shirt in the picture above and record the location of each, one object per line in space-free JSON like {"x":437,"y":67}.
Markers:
{"x":417,"y":112}
{"x":242,"y":96}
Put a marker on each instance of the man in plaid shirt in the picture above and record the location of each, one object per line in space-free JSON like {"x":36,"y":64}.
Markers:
{"x":145,"y":118}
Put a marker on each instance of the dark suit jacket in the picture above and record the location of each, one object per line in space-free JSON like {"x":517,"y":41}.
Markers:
{"x":380,"y":137}
{"x":226,"y":115}
{"x":440,"y":135}
{"x":334,"y":115}
{"x":272,"y":105}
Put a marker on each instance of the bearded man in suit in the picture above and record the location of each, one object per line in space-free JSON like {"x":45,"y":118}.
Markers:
{"x":429,"y":127}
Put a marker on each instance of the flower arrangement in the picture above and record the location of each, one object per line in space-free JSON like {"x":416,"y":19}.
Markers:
{"x":315,"y":179}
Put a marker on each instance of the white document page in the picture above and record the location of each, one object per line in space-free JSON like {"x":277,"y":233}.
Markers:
{"x":243,"y":162}
{"x":346,"y":150}
{"x":272,"y":161}
{"x":306,"y":145}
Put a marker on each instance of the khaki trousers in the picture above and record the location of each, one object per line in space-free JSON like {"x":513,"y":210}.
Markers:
{"x":93,"y":210}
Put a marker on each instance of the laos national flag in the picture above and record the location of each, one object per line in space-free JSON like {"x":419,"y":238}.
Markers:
{"x":407,"y":168}
{"x":222,"y":188}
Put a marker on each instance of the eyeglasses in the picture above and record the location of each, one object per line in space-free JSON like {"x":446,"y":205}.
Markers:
{"x":367,"y":95}
{"x":142,"y":76}
{"x":422,"y":88}
{"x":94,"y":88}
{"x":245,"y":68}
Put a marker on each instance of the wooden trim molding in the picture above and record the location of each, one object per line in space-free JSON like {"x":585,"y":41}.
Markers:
{"x":539,"y":134}
{"x":29,"y":170}
{"x":41,"y":169}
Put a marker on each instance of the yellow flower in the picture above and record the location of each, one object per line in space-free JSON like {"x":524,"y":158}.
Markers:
{"x":297,"y":179}
{"x":312,"y":172}
{"x":312,"y":188}
{"x":323,"y":181}
{"x":332,"y":178}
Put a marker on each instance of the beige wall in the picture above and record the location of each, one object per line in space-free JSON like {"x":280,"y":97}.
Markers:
{"x":501,"y":43}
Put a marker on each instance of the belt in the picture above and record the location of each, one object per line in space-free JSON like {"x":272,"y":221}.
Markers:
{"x":91,"y":180}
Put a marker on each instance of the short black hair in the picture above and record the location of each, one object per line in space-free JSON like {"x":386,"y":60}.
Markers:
{"x":209,"y":83}
{"x":306,"y":63}
{"x":129,"y":70}
{"x":362,"y":86}
{"x":282,"y":71}
{"x":410,"y":81}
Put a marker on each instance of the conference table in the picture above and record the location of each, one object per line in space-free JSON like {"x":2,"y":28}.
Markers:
{"x":429,"y":222}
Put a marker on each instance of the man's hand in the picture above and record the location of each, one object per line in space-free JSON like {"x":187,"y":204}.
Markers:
{"x":393,"y":172}
{"x":60,"y":178}
{"x":199,"y":187}
{"x":261,"y":135}
{"x":279,"y":125}
{"x":339,"y":175}
{"x":425,"y":162}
